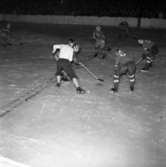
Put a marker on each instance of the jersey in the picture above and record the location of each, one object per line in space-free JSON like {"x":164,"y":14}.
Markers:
{"x":122,"y":58}
{"x":66,"y":51}
{"x":124,"y":25}
{"x":98,"y":35}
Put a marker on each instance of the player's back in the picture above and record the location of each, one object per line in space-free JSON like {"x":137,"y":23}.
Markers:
{"x":122,"y":58}
{"x":66,"y":52}
{"x":125,"y":59}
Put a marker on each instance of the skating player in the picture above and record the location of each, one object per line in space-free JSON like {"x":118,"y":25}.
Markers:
{"x":150,"y":50}
{"x":124,"y":29}
{"x":100,"y":42}
{"x":5,"y":34}
{"x":65,"y":56}
{"x":124,"y":65}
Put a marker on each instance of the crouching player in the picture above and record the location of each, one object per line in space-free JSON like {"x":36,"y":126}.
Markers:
{"x":65,"y":55}
{"x":123,"y":65}
{"x":150,"y":50}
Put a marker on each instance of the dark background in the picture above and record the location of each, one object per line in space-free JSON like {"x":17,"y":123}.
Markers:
{"x":129,"y":8}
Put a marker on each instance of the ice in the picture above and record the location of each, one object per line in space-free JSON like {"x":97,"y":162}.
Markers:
{"x":45,"y":126}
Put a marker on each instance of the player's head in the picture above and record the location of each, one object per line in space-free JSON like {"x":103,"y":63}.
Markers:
{"x":140,"y":41}
{"x":119,"y":52}
{"x":98,"y":28}
{"x":71,"y":42}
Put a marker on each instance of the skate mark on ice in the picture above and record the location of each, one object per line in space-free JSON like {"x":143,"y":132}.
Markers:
{"x":6,"y":162}
{"x":33,"y":91}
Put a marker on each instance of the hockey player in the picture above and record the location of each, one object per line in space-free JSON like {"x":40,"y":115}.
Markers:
{"x":124,"y":29}
{"x":100,"y":42}
{"x":5,"y":34}
{"x":123,"y":65}
{"x":150,"y":50}
{"x":65,"y":55}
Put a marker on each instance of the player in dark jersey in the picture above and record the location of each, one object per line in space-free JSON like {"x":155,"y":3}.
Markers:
{"x":124,"y":30}
{"x":150,"y":50}
{"x":100,"y":42}
{"x":124,"y":65}
{"x":5,"y":34}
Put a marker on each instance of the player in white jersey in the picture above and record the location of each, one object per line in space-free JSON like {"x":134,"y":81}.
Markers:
{"x":65,"y":56}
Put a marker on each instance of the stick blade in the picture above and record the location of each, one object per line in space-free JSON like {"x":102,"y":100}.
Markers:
{"x":102,"y":80}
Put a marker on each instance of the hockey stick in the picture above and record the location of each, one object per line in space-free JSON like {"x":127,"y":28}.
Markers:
{"x":90,"y":72}
{"x":139,"y":60}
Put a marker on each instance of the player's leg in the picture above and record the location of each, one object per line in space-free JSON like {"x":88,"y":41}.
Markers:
{"x":148,"y":64}
{"x":154,"y":51}
{"x":103,"y":49}
{"x":71,"y":73}
{"x":58,"y":73}
{"x":97,"y":48}
{"x":58,"y":79}
{"x":131,"y":74}
{"x":116,"y":79}
{"x":152,"y":56}
{"x":79,"y":89}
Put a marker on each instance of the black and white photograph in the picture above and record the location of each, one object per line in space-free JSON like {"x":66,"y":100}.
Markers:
{"x":82,"y":83}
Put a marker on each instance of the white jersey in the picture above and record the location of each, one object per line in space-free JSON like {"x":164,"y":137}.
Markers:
{"x":66,"y":51}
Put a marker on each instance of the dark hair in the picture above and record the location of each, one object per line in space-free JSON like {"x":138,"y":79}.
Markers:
{"x":71,"y":40}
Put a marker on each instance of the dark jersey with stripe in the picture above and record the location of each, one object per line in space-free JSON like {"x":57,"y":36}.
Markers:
{"x":98,"y":35}
{"x":122,"y":58}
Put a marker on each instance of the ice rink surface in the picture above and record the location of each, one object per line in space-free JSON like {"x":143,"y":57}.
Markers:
{"x":45,"y":126}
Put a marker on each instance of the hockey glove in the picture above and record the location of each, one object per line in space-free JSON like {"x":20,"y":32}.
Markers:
{"x":144,"y":56}
{"x":56,"y":54}
{"x":75,"y":61}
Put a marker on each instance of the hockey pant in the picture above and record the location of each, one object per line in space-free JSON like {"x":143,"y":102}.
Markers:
{"x":64,"y":68}
{"x":127,"y":69}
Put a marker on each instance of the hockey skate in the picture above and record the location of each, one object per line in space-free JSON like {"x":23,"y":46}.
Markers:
{"x":80,"y":90}
{"x":58,"y":84}
{"x":114,"y":90}
{"x":146,"y":67}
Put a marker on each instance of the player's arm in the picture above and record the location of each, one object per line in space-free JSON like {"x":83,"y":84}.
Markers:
{"x":117,"y":59}
{"x":55,"y":47}
{"x":76,"y":50}
{"x":55,"y":52}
